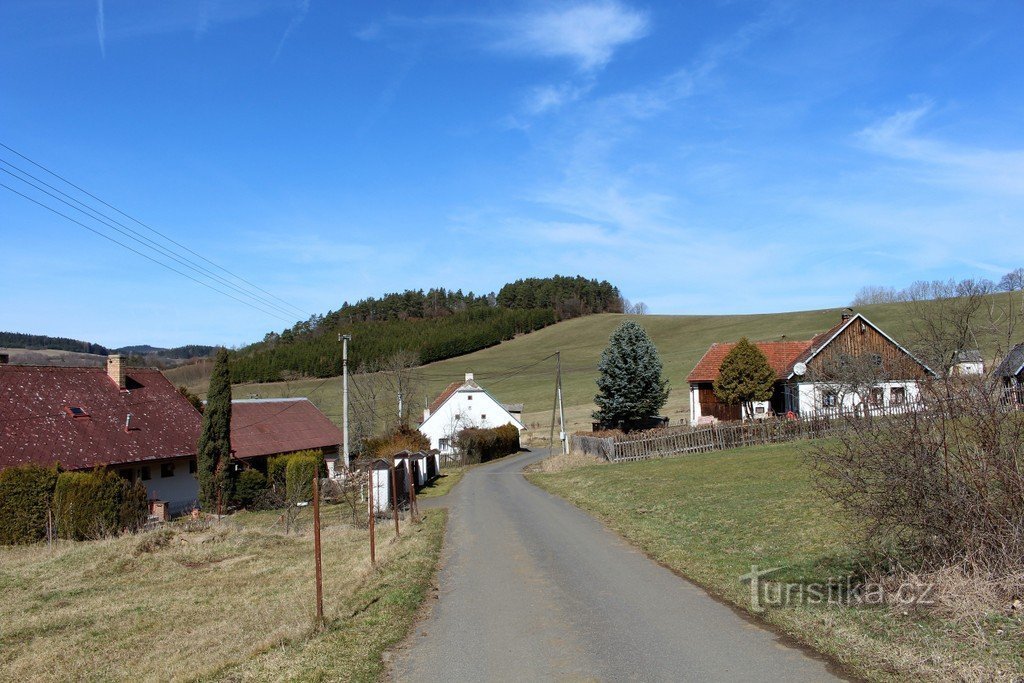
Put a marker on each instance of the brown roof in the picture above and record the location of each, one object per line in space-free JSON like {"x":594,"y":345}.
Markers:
{"x":280,"y":425}
{"x":781,"y":356}
{"x":444,"y":396}
{"x":816,"y":344}
{"x":36,"y":425}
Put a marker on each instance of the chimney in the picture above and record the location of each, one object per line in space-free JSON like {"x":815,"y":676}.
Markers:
{"x":116,"y":370}
{"x":469,"y":376}
{"x":426,"y":414}
{"x":5,"y":358}
{"x":847,"y":314}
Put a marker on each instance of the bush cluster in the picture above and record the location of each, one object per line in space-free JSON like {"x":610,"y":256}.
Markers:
{"x":250,"y":490}
{"x":405,"y":438}
{"x":88,"y":505}
{"x":25,"y":495}
{"x":481,"y":445}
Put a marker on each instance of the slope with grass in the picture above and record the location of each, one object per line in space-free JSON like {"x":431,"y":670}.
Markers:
{"x":712,"y":517}
{"x":228,"y":602}
{"x":681,"y":341}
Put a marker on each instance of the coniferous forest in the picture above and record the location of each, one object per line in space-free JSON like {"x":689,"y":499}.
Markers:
{"x":435,"y":325}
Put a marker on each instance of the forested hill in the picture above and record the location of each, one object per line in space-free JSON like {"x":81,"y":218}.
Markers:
{"x":425,"y":326}
{"x":17,"y":340}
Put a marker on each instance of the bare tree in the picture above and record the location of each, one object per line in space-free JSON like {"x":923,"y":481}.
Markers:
{"x":399,"y":379}
{"x":1012,"y":281}
{"x":943,"y":319}
{"x":875,"y":295}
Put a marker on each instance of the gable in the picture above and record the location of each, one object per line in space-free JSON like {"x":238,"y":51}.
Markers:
{"x":858,"y":338}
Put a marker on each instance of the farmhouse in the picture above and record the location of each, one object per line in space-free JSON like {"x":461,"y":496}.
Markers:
{"x":854,"y":365}
{"x":262,"y":428}
{"x":462,"y":405}
{"x":131,"y":420}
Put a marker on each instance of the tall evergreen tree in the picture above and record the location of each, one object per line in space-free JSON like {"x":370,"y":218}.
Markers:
{"x":630,"y":386}
{"x":215,"y":469}
{"x":745,"y":376}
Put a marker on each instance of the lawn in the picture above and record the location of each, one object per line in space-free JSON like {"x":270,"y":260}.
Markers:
{"x":711,"y":517}
{"x":230,"y":602}
{"x":450,"y":476}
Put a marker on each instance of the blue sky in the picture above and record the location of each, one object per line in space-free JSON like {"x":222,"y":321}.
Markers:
{"x":707,"y":157}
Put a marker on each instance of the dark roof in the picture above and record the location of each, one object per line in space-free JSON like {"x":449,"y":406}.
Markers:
{"x":444,"y":396}
{"x":37,"y":425}
{"x":1013,"y":363}
{"x":280,"y":425}
{"x":513,"y":407}
{"x":780,"y":354}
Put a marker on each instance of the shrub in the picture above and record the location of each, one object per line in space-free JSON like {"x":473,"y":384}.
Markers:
{"x":405,"y":438}
{"x":25,"y":494}
{"x":251,"y":489}
{"x":481,"y":445}
{"x":276,"y":472}
{"x":303,"y":467}
{"x":89,"y":505}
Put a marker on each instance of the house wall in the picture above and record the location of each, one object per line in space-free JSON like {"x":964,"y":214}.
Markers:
{"x":812,"y":394}
{"x":465,"y":408}
{"x":703,"y":403}
{"x":969,"y":368}
{"x":180,"y":491}
{"x":860,"y":339}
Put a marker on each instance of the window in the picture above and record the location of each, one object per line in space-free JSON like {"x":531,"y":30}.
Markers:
{"x":877,"y":396}
{"x":77,"y":411}
{"x":469,"y":397}
{"x":443,"y":443}
{"x":144,"y":473}
{"x":482,"y":416}
{"x":193,"y":467}
{"x":759,"y":410}
{"x":830,"y":399}
{"x":166,"y":470}
{"x":898,"y":396}
{"x":876,"y":360}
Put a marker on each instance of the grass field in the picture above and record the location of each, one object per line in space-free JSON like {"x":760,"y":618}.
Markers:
{"x":681,"y":341}
{"x":711,"y":517}
{"x":231,"y":602}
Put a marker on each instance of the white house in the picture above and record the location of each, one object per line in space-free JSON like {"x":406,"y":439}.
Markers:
{"x":853,"y":366}
{"x":969,"y":362}
{"x":461,"y":405}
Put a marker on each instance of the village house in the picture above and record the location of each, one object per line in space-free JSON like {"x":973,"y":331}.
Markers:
{"x":134,"y":421}
{"x":462,"y":405}
{"x":854,"y":365}
{"x":968,"y":362}
{"x":131,"y":420}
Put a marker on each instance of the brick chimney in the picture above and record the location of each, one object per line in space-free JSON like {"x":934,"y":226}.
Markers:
{"x":116,"y":369}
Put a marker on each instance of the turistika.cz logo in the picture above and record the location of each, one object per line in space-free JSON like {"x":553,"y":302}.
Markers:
{"x":837,"y":592}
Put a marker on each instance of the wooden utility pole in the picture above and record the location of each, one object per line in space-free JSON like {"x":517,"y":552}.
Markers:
{"x":563,"y":437}
{"x":316,"y":552}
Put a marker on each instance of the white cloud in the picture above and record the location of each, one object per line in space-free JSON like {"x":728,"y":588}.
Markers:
{"x":587,"y":33}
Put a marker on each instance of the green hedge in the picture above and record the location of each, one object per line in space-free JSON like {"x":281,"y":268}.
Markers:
{"x":303,"y":467}
{"x":481,"y":445}
{"x":25,"y":494}
{"x":251,"y":489}
{"x":88,"y":505}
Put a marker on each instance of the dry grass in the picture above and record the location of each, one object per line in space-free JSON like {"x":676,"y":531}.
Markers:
{"x":570,"y":461}
{"x":230,"y":601}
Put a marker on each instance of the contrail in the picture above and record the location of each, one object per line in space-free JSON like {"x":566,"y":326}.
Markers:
{"x":101,"y":28}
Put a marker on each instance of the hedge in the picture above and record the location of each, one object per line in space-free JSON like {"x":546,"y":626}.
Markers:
{"x":481,"y":445}
{"x":25,"y":494}
{"x":250,"y":489}
{"x":88,"y":505}
{"x":303,"y":467}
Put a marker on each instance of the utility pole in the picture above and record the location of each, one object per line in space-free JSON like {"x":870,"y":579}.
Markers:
{"x":344,"y":339}
{"x":561,"y":412}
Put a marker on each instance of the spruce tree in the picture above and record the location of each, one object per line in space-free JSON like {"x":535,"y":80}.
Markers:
{"x":630,"y":385}
{"x":215,"y":469}
{"x":745,"y":376}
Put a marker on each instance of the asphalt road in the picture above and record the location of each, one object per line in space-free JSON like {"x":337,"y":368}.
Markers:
{"x":533,"y":589}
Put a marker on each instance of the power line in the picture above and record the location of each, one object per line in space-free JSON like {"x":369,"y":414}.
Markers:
{"x":147,"y":227}
{"x":143,"y":255}
{"x":137,"y":237}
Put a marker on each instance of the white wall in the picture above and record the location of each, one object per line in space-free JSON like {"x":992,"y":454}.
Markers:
{"x":181,"y":491}
{"x":812,"y":394}
{"x":465,"y":408}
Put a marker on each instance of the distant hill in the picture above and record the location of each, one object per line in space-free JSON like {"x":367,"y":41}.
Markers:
{"x":18,"y":340}
{"x":426,"y":325}
{"x":65,"y":351}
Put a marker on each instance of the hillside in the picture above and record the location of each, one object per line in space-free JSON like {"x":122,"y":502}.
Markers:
{"x":681,"y":340}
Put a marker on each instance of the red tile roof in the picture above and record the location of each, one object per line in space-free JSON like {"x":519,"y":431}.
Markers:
{"x":444,"y":396}
{"x":37,"y":427}
{"x":781,"y":356}
{"x":270,"y":426}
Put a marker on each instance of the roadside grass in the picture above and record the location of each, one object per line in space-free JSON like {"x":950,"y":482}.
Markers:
{"x":710,"y":517}
{"x":450,"y":476}
{"x":231,"y":601}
